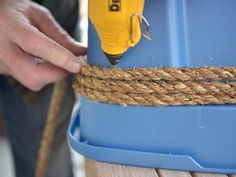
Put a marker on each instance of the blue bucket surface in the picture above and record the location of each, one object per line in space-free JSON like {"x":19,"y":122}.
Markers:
{"x":197,"y":138}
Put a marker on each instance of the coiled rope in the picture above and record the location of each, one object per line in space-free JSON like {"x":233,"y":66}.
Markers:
{"x":158,"y":86}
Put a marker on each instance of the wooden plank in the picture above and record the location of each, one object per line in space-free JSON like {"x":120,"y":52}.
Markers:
{"x":99,"y":169}
{"x":208,"y":175}
{"x":232,"y":175}
{"x":172,"y":173}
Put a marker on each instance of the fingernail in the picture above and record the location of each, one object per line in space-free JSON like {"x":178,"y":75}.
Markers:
{"x":74,"y":67}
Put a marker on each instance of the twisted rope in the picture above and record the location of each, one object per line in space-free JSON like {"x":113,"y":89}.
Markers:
{"x":158,"y":86}
{"x":49,"y":130}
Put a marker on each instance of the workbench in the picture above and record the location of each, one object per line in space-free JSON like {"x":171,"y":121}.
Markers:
{"x":100,"y":169}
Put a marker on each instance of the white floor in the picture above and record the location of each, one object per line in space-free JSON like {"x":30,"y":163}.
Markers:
{"x":6,"y":163}
{"x":78,"y":164}
{"x":6,"y":166}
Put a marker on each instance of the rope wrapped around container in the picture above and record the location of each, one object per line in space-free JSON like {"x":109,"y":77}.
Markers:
{"x":157,"y":86}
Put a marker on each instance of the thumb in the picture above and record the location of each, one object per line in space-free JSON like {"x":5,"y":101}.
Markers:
{"x":31,"y":74}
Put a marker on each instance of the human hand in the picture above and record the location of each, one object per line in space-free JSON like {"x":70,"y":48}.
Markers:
{"x":27,"y":32}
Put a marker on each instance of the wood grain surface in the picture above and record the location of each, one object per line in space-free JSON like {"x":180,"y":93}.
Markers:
{"x":100,"y":169}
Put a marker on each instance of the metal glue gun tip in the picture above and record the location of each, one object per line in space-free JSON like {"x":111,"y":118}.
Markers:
{"x":113,"y":59}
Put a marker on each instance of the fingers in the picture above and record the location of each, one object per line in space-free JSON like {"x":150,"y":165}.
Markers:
{"x":34,"y":76}
{"x":36,"y":43}
{"x":54,"y":31}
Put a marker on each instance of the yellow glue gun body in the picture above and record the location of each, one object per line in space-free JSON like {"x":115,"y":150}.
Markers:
{"x":118,"y":24}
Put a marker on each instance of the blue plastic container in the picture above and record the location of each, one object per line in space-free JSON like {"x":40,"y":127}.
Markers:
{"x":196,"y":138}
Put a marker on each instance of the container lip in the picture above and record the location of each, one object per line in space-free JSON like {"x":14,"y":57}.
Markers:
{"x":132,"y":157}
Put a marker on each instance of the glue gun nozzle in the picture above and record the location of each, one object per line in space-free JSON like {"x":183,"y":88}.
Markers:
{"x":114,"y":59}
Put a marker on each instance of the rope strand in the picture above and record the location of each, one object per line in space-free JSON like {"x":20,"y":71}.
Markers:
{"x":49,"y":130}
{"x":168,"y":74}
